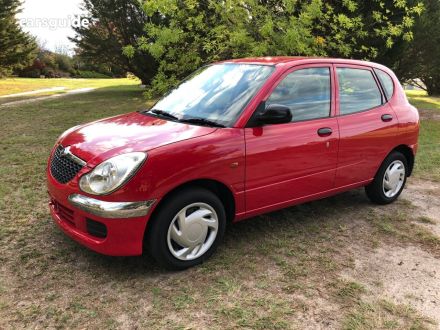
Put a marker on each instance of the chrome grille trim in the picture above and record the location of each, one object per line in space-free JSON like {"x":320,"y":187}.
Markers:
{"x":64,"y":166}
{"x":67,"y":153}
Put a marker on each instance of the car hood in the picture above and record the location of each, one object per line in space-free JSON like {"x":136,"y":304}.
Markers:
{"x":102,"y":139}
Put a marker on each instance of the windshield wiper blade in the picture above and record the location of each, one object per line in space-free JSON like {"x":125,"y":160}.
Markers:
{"x":201,"y":121}
{"x":163,"y":114}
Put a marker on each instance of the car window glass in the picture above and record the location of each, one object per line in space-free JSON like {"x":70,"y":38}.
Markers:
{"x":306,"y":92}
{"x":387,"y":82}
{"x":217,"y":92}
{"x":358,"y":90}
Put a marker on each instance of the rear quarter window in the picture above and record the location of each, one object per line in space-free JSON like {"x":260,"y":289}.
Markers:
{"x":386,"y":81}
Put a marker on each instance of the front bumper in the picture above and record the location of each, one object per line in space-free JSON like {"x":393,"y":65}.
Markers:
{"x":81,"y":216}
{"x":111,"y":210}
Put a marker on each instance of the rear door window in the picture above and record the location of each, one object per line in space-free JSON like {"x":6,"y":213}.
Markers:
{"x":358,"y":90}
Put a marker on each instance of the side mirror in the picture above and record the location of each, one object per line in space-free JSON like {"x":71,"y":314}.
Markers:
{"x":275,"y":114}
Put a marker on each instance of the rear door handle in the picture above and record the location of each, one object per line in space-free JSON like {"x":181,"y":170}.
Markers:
{"x":325,"y":131}
{"x":387,"y":117}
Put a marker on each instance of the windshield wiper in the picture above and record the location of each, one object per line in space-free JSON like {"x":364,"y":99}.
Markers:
{"x":201,"y":121}
{"x":163,"y":114}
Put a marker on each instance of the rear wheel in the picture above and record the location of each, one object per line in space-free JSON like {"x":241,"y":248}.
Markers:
{"x":389,"y":180}
{"x":187,"y":228}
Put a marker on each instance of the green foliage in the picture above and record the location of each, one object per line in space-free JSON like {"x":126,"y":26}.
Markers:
{"x":182,"y":35}
{"x":421,"y":58}
{"x":64,"y":62}
{"x":55,"y":65}
{"x":48,"y":64}
{"x":115,"y":26}
{"x":90,"y":74}
{"x":17,"y":48}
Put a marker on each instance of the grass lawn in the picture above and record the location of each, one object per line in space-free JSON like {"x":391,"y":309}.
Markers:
{"x":422,"y":101}
{"x":19,"y":85}
{"x":326,"y":264}
{"x":428,"y":158}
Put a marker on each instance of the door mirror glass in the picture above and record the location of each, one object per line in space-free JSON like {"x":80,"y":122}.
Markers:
{"x":275,"y":114}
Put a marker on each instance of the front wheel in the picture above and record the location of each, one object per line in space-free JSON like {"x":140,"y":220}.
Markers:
{"x":389,"y":180}
{"x":187,"y":228}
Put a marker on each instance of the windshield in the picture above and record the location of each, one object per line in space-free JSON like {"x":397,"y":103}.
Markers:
{"x":215,"y":94}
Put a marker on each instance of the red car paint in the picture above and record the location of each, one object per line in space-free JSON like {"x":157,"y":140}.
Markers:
{"x":265,"y":168}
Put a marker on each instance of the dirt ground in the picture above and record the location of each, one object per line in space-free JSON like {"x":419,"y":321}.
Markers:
{"x":390,"y":270}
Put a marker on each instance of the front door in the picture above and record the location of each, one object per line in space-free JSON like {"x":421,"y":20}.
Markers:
{"x":288,"y":162}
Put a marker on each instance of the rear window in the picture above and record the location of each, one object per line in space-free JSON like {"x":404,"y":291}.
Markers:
{"x":386,"y":81}
{"x":358,"y":90}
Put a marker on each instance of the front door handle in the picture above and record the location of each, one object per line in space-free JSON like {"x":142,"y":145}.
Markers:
{"x":325,"y":131}
{"x":387,"y":117}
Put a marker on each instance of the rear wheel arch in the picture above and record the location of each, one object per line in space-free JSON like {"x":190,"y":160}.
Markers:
{"x":409,"y":155}
{"x":390,"y":178}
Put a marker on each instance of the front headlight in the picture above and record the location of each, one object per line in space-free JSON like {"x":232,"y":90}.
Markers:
{"x":111,"y":174}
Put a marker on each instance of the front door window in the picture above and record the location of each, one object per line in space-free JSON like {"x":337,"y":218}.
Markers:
{"x":306,"y":92}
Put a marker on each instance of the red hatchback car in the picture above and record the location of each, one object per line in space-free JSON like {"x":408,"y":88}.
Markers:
{"x":235,"y":139}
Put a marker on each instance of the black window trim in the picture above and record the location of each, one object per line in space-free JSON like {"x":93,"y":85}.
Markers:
{"x":381,"y":85}
{"x":356,"y":67}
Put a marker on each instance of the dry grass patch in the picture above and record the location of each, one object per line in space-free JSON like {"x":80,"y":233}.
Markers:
{"x":402,"y":225}
{"x":383,"y":314}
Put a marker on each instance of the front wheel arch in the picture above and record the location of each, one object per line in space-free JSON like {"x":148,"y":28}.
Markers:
{"x":219,"y":189}
{"x":156,"y":238}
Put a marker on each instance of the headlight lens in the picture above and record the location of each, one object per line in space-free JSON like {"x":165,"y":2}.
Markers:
{"x":111,"y":174}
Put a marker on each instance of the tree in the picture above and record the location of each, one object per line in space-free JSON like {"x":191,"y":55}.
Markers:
{"x":17,"y":48}
{"x":84,"y":66}
{"x":420,"y":59}
{"x":114,"y":24}
{"x":190,"y":33}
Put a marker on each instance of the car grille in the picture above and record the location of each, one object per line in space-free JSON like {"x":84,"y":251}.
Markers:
{"x":66,"y":213}
{"x":63,"y":168}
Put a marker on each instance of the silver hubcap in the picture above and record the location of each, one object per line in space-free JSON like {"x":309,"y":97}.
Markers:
{"x":192,"y":231}
{"x":393,"y":178}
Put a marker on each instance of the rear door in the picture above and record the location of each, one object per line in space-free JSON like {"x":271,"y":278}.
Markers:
{"x":367,"y":124}
{"x":286,"y":162}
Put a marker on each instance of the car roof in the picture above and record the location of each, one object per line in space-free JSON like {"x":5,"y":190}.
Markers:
{"x":269,"y":60}
{"x":296,"y":60}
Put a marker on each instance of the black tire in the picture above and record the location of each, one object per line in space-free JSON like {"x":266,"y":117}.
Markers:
{"x":375,"y":190}
{"x":157,"y":231}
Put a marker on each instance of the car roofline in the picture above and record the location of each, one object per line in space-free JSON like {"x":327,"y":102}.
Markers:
{"x":298,"y":60}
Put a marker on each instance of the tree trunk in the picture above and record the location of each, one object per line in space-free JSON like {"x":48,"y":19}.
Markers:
{"x":432,"y":85}
{"x":143,"y":67}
